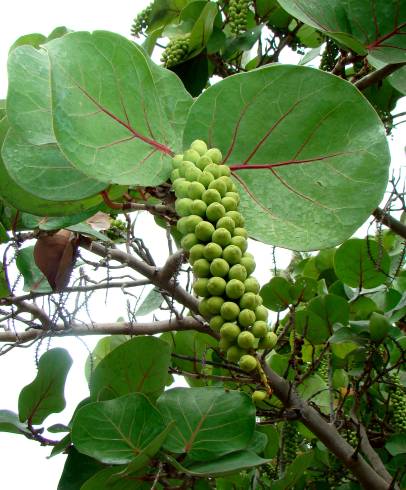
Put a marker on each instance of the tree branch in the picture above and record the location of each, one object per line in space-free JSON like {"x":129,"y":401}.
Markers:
{"x":118,"y":328}
{"x":327,"y":433}
{"x":378,"y":75}
{"x":392,"y":223}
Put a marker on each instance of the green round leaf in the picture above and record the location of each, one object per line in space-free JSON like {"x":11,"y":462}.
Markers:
{"x":115,"y":431}
{"x":326,"y":175}
{"x":277,"y":294}
{"x":209,"y":422}
{"x":361,"y":263}
{"x":365,"y":26}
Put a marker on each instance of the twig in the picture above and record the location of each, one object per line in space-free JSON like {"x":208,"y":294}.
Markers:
{"x":378,"y":75}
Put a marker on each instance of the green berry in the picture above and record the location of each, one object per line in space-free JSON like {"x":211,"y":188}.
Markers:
{"x":221,"y":236}
{"x":248,"y":263}
{"x":234,"y":195}
{"x":246,"y":340}
{"x":182,"y":206}
{"x":215,"y":155}
{"x":259,"y":328}
{"x":204,"y":308}
{"x":229,"y":184}
{"x":177,"y":160}
{"x":234,"y":353}
{"x":214,"y":170}
{"x":215,"y":211}
{"x":224,"y":344}
{"x":269,"y":341}
{"x":239,"y":272}
{"x":188,"y":241}
{"x":203,"y":162}
{"x":181,"y":188}
{"x":191,"y":155}
{"x":200,"y":287}
{"x":240,"y":232}
{"x":214,"y":304}
{"x":259,"y":396}
{"x":216,"y":323}
{"x":237,"y":217}
{"x":219,"y":267}
{"x":224,"y":171}
{"x":206,"y":178}
{"x":192,"y":174}
{"x":181,"y":225}
{"x":261,"y":313}
{"x":191,"y":222}
{"x":175,"y":175}
{"x":201,"y":268}
{"x":240,"y":242}
{"x":229,"y":311}
{"x":247,"y":363}
{"x":232,"y":254}
{"x":249,"y":301}
{"x":220,"y":186}
{"x":212,"y":251}
{"x":246,"y":318}
{"x":235,"y":289}
{"x":196,"y":190}
{"x":198,"y":207}
{"x":251,"y":285}
{"x":204,"y":231}
{"x":226,"y":223}
{"x":216,"y":286}
{"x":230,"y":331}
{"x":210,"y":196}
{"x":196,"y":253}
{"x":229,"y":204}
{"x":199,"y":146}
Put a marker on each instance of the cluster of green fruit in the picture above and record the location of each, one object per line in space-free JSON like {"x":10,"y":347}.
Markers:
{"x":213,"y":232}
{"x":398,"y":400}
{"x":330,"y":56}
{"x":117,"y":231}
{"x":237,"y":15}
{"x":176,"y":51}
{"x":141,"y":22}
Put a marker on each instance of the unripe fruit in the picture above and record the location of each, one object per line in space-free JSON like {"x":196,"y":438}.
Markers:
{"x":238,"y":271}
{"x":246,"y":318}
{"x":211,"y":195}
{"x":182,"y":206}
{"x":248,"y":263}
{"x":201,"y":268}
{"x":230,"y":331}
{"x":225,"y":172}
{"x":198,"y":207}
{"x":235,"y":289}
{"x":204,"y":309}
{"x":204,"y":231}
{"x":191,"y":222}
{"x":246,"y":340}
{"x":177,"y":160}
{"x":240,"y":242}
{"x":196,"y":190}
{"x":229,"y":311}
{"x":234,"y":353}
{"x":188,"y":241}
{"x":237,"y":217}
{"x":232,"y":254}
{"x":259,"y":328}
{"x":196,"y":252}
{"x":191,"y":155}
{"x":215,"y":211}
{"x":261,"y":313}
{"x":192,"y":174}
{"x":229,"y":203}
{"x":269,"y":341}
{"x":259,"y":396}
{"x":251,"y":285}
{"x":175,"y":175}
{"x":226,"y":223}
{"x":184,"y":167}
{"x":221,"y":236}
{"x":240,"y":232}
{"x":181,"y":188}
{"x":206,"y":178}
{"x":203,"y":162}
{"x":216,"y":286}
{"x":214,"y":170}
{"x":229,"y":184}
{"x":247,"y":363}
{"x":219,"y":267}
{"x":199,"y":146}
{"x":214,"y":303}
{"x":234,"y":195}
{"x":219,"y":185}
{"x":200,"y":287}
{"x":249,"y":301}
{"x":215,"y":155}
{"x":224,"y":344}
{"x":212,"y":251}
{"x":181,"y":225}
{"x":216,"y":323}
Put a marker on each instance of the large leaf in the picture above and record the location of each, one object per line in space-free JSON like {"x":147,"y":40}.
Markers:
{"x":396,"y":444}
{"x":325,"y":175}
{"x":77,"y":469}
{"x":4,"y":287}
{"x":103,"y":347}
{"x":111,"y":479}
{"x":139,"y":365}
{"x":294,"y":471}
{"x":34,"y":279}
{"x":108,"y":117}
{"x":116,"y":431}
{"x":152,"y":302}
{"x":377,"y":27}
{"x":209,"y":422}
{"x":361,"y":263}
{"x":45,"y":395}
{"x":9,"y":422}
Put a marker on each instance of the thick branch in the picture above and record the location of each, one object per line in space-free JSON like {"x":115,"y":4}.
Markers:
{"x":326,"y":432}
{"x":118,"y":328}
{"x":148,"y":271}
{"x":378,"y":75}
{"x":392,"y":223}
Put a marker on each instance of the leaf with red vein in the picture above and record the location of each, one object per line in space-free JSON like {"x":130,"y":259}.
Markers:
{"x":111,"y":117}
{"x":306,"y":150}
{"x":376,"y":27}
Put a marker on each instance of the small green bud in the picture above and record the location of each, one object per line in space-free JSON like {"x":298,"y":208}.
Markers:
{"x":203,"y":162}
{"x":259,"y":396}
{"x":237,"y":217}
{"x":219,"y":185}
{"x":261,"y":313}
{"x":229,"y":204}
{"x":204,"y":308}
{"x":181,"y":187}
{"x":240,"y":232}
{"x":206,"y":178}
{"x":192,"y":174}
{"x":248,"y":263}
{"x":240,"y":242}
{"x":249,"y":301}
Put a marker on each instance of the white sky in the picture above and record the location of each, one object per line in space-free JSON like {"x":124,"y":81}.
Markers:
{"x":23,"y":463}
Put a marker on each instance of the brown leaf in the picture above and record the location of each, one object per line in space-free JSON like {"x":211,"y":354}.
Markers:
{"x":55,"y":256}
{"x":100,"y":221}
